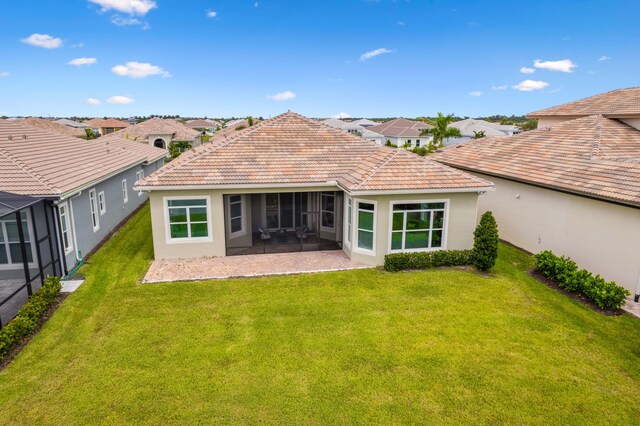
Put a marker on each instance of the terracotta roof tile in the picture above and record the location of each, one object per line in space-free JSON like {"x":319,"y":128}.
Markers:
{"x":400,"y":127}
{"x":616,"y":103}
{"x":140,"y":132}
{"x":291,"y":148}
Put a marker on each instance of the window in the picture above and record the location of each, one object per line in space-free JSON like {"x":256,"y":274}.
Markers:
{"x":327,"y":211}
{"x":418,"y":142}
{"x":125,"y":193}
{"x":10,"y":251}
{"x":139,"y":176}
{"x":93,"y":206}
{"x":65,"y":228}
{"x":349,"y":230}
{"x":235,"y":214}
{"x":102,"y":203}
{"x":366,"y":226}
{"x":418,"y":226}
{"x":188,"y":219}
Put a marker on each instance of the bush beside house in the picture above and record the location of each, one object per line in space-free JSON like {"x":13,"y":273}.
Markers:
{"x":606,"y":295}
{"x":426,"y":259}
{"x":485,"y":242}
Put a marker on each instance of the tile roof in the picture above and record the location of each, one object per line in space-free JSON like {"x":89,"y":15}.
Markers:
{"x":229,"y":128}
{"x":106,"y":122}
{"x":52,"y":126}
{"x":155,"y":126}
{"x":616,"y":103}
{"x":400,"y":127}
{"x":202,"y":123}
{"x":594,"y":156}
{"x":38,"y":162}
{"x":290,"y":149}
{"x":71,"y":123}
{"x":469,"y":125}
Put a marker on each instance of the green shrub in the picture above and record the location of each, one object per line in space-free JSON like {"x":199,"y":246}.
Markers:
{"x":426,"y":259}
{"x":485,"y":242}
{"x":27,"y":318}
{"x":605,"y":294}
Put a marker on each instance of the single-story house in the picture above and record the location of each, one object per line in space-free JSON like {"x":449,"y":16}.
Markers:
{"x":231,"y":127}
{"x":71,"y":123}
{"x":205,"y":127}
{"x":293,"y":183}
{"x":572,"y":186}
{"x":158,"y":132}
{"x":358,"y":127}
{"x":401,"y":132}
{"x":89,"y":184}
{"x":105,"y":126}
{"x":469,"y":126}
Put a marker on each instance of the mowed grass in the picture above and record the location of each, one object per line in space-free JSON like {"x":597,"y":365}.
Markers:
{"x":441,"y":346}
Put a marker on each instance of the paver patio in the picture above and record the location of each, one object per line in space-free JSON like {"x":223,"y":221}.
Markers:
{"x":249,"y":266}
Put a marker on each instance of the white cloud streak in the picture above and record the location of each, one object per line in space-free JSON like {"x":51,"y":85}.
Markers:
{"x":283,"y":96}
{"x":78,"y":62}
{"x":132,"y":7}
{"x":530,"y":85}
{"x":139,"y":70}
{"x":565,"y":65}
{"x":475,"y":94}
{"x":527,"y":70}
{"x":120,"y":100}
{"x":505,"y":87}
{"x":211,"y":13}
{"x":604,"y":58}
{"x":43,"y":40}
{"x":373,"y":53}
{"x":93,"y":101}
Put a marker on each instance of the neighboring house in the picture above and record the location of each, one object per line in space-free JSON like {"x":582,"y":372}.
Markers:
{"x":469,"y":126}
{"x":572,"y":187}
{"x":88,"y":183}
{"x":401,"y":132}
{"x":158,"y":132}
{"x":292,"y":183}
{"x":71,"y":123}
{"x":205,"y":127}
{"x":364,"y":122}
{"x":105,"y":126}
{"x":354,"y":128}
{"x":52,"y":126}
{"x":230,"y":128}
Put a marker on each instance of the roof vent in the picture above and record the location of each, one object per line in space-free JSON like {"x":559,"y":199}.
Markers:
{"x":10,"y":137}
{"x":24,"y":137}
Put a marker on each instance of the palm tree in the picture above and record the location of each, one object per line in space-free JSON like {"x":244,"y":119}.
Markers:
{"x":89,"y":134}
{"x":478,"y":134}
{"x":441,"y":130}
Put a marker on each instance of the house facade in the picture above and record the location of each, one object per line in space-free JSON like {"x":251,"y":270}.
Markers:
{"x":572,"y":186}
{"x":401,"y":132}
{"x":158,"y":132}
{"x":105,"y":126}
{"x":291,"y":183}
{"x":89,"y":184}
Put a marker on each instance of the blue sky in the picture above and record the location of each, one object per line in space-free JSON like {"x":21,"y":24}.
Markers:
{"x":366,"y":58}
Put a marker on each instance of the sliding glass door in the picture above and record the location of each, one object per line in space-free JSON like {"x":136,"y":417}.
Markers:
{"x":280,"y":210}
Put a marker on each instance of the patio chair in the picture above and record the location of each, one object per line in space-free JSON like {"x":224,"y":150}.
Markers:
{"x":264,"y":234}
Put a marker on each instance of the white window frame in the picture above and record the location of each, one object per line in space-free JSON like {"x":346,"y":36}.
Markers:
{"x":188,"y":240}
{"x":3,"y":229}
{"x":348,"y":228}
{"x":445,"y":229}
{"x":139,"y":176}
{"x":63,"y":210}
{"x":93,"y":209}
{"x":322,"y":211}
{"x":243,"y":215}
{"x":125,"y":192}
{"x":102,"y":203}
{"x":356,"y":247}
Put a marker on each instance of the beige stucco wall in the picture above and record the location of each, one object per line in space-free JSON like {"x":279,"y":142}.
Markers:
{"x":460,"y":217}
{"x":601,"y":237}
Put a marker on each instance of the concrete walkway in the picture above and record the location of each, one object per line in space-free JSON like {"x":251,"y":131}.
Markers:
{"x":254,"y":265}
{"x":632,"y":307}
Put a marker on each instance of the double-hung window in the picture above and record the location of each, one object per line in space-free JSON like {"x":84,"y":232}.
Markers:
{"x":65,"y":228}
{"x":327,"y":207}
{"x":10,"y":250}
{"x":125,"y":191}
{"x":366,"y":226}
{"x":139,"y":176}
{"x":418,"y":226}
{"x":235,"y":215}
{"x":188,"y":219}
{"x":93,"y":206}
{"x":102,"y":204}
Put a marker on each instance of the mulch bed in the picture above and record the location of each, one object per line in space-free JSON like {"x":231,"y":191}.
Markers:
{"x":575,"y":296}
{"x":11,"y":355}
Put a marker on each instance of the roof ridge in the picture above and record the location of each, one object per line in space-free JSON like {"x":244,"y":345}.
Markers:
{"x":28,"y":170}
{"x":376,"y":169}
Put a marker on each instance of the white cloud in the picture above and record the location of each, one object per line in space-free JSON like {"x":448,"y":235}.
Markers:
{"x":82,"y":61}
{"x":374,"y":53}
{"x":527,"y":70}
{"x":283,"y":96}
{"x":565,"y":65}
{"x":530,"y":85}
{"x":120,"y":100}
{"x":400,"y":23}
{"x":256,"y":4}
{"x":132,"y":7}
{"x":475,"y":94}
{"x":125,"y":22}
{"x":4,"y":74}
{"x":94,"y":101}
{"x":505,"y":87}
{"x":341,"y":116}
{"x":604,"y":58}
{"x":211,"y":13}
{"x":139,"y":70}
{"x":43,"y":40}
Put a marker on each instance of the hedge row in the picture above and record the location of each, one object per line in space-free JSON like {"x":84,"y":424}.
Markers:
{"x":27,"y":319}
{"x":423,"y":260}
{"x":605,"y":294}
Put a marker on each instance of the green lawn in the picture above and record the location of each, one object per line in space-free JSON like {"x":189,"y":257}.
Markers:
{"x":442,"y":346}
